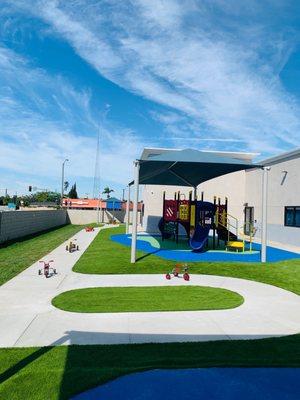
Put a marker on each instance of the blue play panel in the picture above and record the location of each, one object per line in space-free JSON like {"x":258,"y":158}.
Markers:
{"x":149,"y":244}
{"x":202,"y":383}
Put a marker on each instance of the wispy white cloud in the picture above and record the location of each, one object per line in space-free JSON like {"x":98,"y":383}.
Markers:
{"x":205,"y":60}
{"x":44,"y":119}
{"x":212,"y":67}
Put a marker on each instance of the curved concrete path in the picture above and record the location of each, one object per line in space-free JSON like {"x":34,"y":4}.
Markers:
{"x":27,"y":317}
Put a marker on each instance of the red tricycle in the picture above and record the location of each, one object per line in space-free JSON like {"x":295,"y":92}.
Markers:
{"x":89,"y":228}
{"x":47,"y":270}
{"x":177,"y":270}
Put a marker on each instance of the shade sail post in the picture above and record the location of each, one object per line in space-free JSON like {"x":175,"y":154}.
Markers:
{"x":264,"y":218}
{"x":195,"y":192}
{"x":128,"y":210}
{"x":135,"y":210}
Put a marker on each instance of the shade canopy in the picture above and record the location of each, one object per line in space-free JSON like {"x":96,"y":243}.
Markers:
{"x":188,"y":167}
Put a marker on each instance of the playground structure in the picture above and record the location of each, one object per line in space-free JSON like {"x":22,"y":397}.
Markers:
{"x":47,"y":270}
{"x":198,"y":218}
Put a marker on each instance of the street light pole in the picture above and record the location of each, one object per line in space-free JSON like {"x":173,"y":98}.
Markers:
{"x":63,"y":180}
{"x":264,"y":218}
{"x":99,"y":207}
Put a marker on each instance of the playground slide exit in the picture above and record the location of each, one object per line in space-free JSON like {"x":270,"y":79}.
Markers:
{"x":199,"y":238}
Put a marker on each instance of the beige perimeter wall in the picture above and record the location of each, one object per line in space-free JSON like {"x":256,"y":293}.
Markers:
{"x":81,"y":217}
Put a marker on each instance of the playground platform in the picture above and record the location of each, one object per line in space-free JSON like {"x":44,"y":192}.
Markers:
{"x":170,"y":250}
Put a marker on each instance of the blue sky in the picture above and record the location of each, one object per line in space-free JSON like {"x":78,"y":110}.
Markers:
{"x":210,"y":74}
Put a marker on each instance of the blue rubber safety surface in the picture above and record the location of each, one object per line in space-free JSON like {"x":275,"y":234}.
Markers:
{"x":202,"y":383}
{"x":273,"y":254}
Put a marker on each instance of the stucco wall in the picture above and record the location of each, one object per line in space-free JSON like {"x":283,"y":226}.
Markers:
{"x":283,"y":190}
{"x":16,"y":224}
{"x":231,"y":186}
{"x":82,"y":217}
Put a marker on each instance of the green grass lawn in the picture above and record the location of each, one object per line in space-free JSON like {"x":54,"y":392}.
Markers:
{"x":107,"y":257}
{"x":57,"y":373}
{"x":149,"y":298}
{"x":20,"y":254}
{"x":60,"y":372}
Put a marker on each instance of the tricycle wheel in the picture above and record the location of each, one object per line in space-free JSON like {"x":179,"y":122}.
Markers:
{"x":168,"y":276}
{"x":77,"y":247}
{"x":40,"y":272}
{"x":186,"y":276}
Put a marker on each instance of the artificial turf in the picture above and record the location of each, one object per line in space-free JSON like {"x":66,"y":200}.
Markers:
{"x":147,"y":299}
{"x":19,"y":254}
{"x":105,"y":256}
{"x":57,"y":373}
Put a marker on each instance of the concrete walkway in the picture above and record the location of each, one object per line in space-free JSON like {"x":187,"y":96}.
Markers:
{"x":27,"y":317}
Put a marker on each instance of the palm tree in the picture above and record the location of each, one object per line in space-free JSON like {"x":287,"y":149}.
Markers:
{"x":107,"y":191}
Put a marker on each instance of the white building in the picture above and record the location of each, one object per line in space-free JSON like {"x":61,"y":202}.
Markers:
{"x":283,"y":198}
{"x":243,"y":190}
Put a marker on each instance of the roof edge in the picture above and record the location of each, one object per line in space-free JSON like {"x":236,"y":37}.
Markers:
{"x":286,"y":156}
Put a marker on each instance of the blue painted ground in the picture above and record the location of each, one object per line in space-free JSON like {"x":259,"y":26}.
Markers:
{"x":202,"y":383}
{"x":273,"y":254}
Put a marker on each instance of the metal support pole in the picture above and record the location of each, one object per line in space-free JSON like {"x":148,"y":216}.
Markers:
{"x":128,"y":211}
{"x":214,"y":227}
{"x":264,"y":217}
{"x":135,"y":207}
{"x":195,"y":193}
{"x":163,"y":215}
{"x":98,"y":209}
{"x":63,"y":180}
{"x":101,"y":210}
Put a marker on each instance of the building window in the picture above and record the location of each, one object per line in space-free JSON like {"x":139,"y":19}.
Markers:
{"x":292,"y":216}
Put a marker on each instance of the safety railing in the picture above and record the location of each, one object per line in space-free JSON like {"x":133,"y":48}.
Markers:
{"x":247,"y":233}
{"x":229,"y":222}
